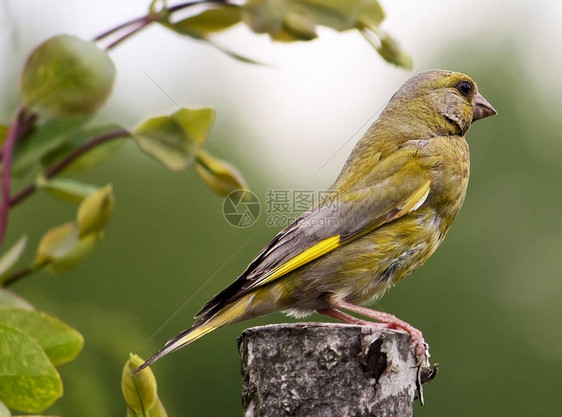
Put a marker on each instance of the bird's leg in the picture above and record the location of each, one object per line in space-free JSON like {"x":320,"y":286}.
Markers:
{"x":392,"y":322}
{"x":346,"y":318}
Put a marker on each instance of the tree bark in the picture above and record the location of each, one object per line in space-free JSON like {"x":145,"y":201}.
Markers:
{"x":321,"y":370}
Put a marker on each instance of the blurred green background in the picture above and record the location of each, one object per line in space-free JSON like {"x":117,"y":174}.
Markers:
{"x":488,"y":301}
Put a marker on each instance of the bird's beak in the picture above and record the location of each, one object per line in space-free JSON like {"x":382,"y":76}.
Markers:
{"x":481,"y":108}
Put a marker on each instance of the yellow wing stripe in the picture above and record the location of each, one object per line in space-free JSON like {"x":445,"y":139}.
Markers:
{"x":321,"y":248}
{"x":328,"y":245}
{"x":414,"y":201}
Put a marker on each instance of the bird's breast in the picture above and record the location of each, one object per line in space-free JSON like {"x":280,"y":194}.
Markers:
{"x":447,"y":161}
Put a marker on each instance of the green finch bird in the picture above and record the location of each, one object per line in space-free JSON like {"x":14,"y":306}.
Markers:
{"x":396,"y":197}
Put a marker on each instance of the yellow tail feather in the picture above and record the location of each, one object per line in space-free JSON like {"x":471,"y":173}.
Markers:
{"x":228,"y":315}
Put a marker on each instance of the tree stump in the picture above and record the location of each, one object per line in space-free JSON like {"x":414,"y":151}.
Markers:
{"x":324,"y":369}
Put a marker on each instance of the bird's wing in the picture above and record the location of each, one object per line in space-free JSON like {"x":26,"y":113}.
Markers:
{"x":396,"y":186}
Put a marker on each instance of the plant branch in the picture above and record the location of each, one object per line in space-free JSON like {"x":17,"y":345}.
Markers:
{"x":24,"y":126}
{"x":17,"y":276}
{"x":14,"y":132}
{"x":117,"y":28}
{"x":193,"y":3}
{"x":56,"y":168}
{"x":141,"y":22}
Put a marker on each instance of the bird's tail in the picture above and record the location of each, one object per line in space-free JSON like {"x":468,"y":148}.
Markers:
{"x":230,"y":314}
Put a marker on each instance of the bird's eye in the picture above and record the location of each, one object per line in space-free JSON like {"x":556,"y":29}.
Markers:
{"x":465,"y":87}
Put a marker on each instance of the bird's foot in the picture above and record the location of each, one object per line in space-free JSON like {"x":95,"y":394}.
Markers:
{"x":423,"y":376}
{"x":391,"y":322}
{"x":388,"y":321}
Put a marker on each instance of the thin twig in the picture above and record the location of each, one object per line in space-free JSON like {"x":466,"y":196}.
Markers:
{"x":141,"y":22}
{"x":17,"y":276}
{"x":27,"y":123}
{"x":147,"y":20}
{"x":11,"y":138}
{"x":192,"y":3}
{"x":24,"y":126}
{"x":23,"y":194}
{"x":54,"y":169}
{"x":117,"y":28}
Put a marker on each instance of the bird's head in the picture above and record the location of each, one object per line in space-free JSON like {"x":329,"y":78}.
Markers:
{"x":448,"y":101}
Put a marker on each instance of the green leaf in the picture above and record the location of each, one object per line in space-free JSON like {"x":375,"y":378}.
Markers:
{"x":66,"y":189}
{"x":158,"y":6}
{"x":288,"y":21}
{"x":300,"y":26}
{"x":264,"y":16}
{"x":94,"y":156}
{"x":60,"y":342}
{"x":9,"y":299}
{"x":371,"y":13}
{"x":173,"y":140}
{"x":66,"y":75}
{"x":345,"y":15}
{"x":162,"y":139}
{"x":43,"y":139}
{"x":284,"y":21}
{"x":4,"y":412}
{"x":60,"y":248}
{"x":201,"y":33}
{"x":388,"y":48}
{"x":234,"y":55}
{"x":28,"y":380}
{"x":11,"y":257}
{"x":139,"y":390}
{"x":208,"y":22}
{"x":219,"y":175}
{"x":157,"y":409}
{"x":195,"y":123}
{"x":95,"y":211}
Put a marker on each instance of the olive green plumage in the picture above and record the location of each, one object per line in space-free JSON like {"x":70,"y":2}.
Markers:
{"x":397,"y":195}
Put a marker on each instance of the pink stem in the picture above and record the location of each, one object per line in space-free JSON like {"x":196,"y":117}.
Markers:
{"x":7,"y":149}
{"x":117,"y":28}
{"x":142,"y":23}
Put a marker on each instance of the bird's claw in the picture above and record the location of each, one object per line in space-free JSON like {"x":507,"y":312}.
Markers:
{"x":424,"y":374}
{"x":422,"y":354}
{"x":422,"y":357}
{"x":419,"y":386}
